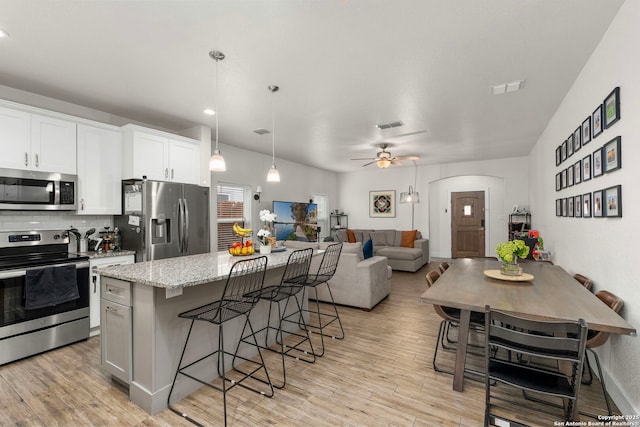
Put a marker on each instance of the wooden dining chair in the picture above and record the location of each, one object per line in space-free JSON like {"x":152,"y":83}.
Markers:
{"x":584,"y":280}
{"x":450,"y":317}
{"x":598,"y":338}
{"x":511,"y":339}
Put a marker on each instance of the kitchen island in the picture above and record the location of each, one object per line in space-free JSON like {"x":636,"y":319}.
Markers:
{"x":142,"y":335}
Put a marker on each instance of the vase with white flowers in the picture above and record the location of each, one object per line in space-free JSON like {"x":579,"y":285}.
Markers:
{"x":265,"y":233}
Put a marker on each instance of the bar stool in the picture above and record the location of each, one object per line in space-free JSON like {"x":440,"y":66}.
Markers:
{"x":325,"y":272}
{"x":238,"y":299}
{"x":289,"y":289}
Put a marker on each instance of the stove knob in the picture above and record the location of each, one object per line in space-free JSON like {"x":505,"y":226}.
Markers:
{"x":56,"y":236}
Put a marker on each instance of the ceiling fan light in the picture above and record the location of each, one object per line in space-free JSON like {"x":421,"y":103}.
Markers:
{"x":273,"y":175}
{"x":383,"y":163}
{"x":216,"y":162}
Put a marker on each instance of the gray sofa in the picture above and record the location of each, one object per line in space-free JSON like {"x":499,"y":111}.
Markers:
{"x":358,"y":282}
{"x":387,"y":243}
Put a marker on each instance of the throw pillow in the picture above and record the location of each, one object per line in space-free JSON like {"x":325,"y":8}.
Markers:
{"x":351,"y":237}
{"x":353,"y":248}
{"x":408,"y":237}
{"x":367,"y":249}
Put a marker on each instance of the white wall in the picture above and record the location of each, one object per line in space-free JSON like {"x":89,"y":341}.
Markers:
{"x":506,"y":181}
{"x":297,"y":182}
{"x":605,"y":249}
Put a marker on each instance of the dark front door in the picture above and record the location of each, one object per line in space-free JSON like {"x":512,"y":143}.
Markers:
{"x":467,"y":224}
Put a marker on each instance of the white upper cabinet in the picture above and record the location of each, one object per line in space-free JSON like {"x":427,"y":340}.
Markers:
{"x":160,"y":156}
{"x":99,"y":170}
{"x":36,"y":142}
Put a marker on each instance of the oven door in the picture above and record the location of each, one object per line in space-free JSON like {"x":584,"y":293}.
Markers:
{"x":16,"y":319}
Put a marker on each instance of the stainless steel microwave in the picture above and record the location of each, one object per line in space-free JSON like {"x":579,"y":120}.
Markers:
{"x":37,"y":191}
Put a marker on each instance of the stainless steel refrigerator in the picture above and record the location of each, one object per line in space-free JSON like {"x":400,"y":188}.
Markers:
{"x":163,"y":219}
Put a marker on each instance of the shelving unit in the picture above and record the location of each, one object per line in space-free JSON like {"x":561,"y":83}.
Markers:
{"x":518,"y":222}
{"x":338,"y":222}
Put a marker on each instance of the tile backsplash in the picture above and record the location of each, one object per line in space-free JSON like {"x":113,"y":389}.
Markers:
{"x":40,"y":220}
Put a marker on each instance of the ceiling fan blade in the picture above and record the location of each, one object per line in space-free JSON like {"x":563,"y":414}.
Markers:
{"x":406,"y":134}
{"x":395,"y":162}
{"x":370,"y":163}
{"x":366,"y":158}
{"x":408,"y":158}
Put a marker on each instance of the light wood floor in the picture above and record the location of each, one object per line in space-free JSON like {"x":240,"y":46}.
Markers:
{"x":379,"y":375}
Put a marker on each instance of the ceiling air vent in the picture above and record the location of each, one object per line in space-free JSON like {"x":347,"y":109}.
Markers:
{"x":262,"y":131}
{"x":389,"y":125}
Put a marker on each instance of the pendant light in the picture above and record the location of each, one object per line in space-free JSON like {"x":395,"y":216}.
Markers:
{"x":217,"y":163}
{"x":273,"y":175}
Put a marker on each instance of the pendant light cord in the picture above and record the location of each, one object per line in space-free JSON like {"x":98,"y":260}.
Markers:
{"x":216,"y":106}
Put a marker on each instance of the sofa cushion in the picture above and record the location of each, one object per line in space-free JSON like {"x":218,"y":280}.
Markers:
{"x":351,"y":237}
{"x":353,"y":248}
{"x":408,"y":237}
{"x":367,"y":249}
{"x":379,"y":238}
{"x":361,"y":235}
{"x":400,"y":252}
{"x":341,"y":235}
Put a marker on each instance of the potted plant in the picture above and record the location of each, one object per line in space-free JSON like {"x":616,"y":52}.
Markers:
{"x":264,"y":234}
{"x":508,"y":253}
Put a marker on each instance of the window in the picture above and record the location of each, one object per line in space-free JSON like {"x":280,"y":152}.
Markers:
{"x":233,"y":205}
{"x":323,"y":215}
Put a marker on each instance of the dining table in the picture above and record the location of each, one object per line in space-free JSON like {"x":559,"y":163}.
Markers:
{"x":544,"y":292}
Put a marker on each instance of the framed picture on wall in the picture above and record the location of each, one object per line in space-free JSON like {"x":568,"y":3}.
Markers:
{"x":577,"y":139}
{"x":577,"y":172}
{"x":558,"y":181}
{"x":586,"y":131}
{"x":570,"y":146}
{"x":577,"y":206}
{"x":613,"y":201}
{"x":612,"y":158}
{"x":597,"y":168}
{"x":563,"y":151}
{"x":586,"y":168}
{"x":611,"y":108}
{"x":570,"y":176}
{"x":565,"y":211}
{"x":586,"y":205}
{"x":596,"y":122}
{"x":558,"y":207}
{"x":570,"y":206}
{"x":564,"y":178}
{"x":382,"y":204}
{"x":598,"y":204}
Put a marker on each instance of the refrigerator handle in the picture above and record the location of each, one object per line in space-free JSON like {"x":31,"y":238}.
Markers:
{"x":186,"y":225}
{"x":180,"y":226}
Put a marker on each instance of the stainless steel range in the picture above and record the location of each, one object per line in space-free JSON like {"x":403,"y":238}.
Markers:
{"x":44,"y":293}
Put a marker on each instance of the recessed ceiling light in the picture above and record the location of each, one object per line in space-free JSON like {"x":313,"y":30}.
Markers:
{"x":3,"y":33}
{"x":209,"y":112}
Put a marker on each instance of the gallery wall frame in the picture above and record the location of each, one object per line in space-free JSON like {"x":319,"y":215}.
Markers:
{"x":577,"y":139}
{"x":558,"y":207}
{"x":586,"y":205}
{"x":586,"y":168}
{"x":586,"y":131}
{"x":612,"y":155}
{"x":611,"y":108}
{"x":596,"y":165}
{"x":596,"y":121}
{"x":598,"y":204}
{"x":613,"y":201}
{"x":577,"y":206}
{"x":577,"y":172}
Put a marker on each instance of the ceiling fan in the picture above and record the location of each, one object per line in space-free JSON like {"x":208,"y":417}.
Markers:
{"x":384,"y":159}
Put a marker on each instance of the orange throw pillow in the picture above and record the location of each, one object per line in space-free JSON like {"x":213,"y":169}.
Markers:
{"x":408,"y":237}
{"x":351,"y":236}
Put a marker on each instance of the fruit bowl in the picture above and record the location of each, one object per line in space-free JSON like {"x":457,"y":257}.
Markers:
{"x":242,"y":248}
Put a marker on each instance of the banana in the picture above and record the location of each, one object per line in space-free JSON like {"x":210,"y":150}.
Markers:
{"x":241,"y":231}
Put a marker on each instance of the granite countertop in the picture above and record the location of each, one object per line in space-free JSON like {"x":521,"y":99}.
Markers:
{"x":188,"y":270}
{"x":94,"y":255}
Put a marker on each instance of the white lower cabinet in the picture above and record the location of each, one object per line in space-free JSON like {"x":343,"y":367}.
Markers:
{"x":94,"y":297}
{"x":116,"y":334}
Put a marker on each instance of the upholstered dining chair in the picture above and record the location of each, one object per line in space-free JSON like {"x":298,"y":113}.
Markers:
{"x":450,"y":317}
{"x":584,"y":281}
{"x":598,"y":338}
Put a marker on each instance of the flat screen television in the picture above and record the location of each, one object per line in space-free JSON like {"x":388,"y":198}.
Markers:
{"x":296,"y":221}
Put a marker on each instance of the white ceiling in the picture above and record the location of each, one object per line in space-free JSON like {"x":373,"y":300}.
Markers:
{"x":342,"y":66}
